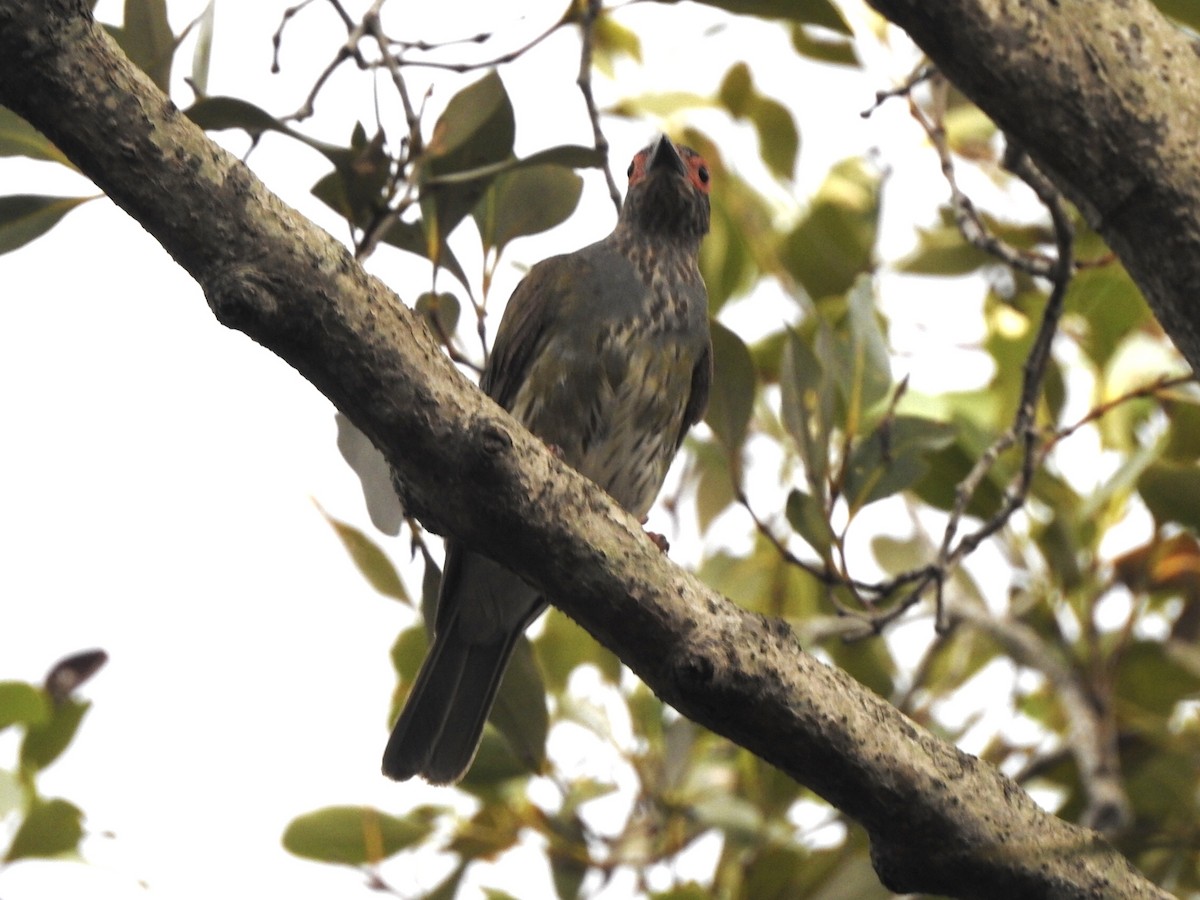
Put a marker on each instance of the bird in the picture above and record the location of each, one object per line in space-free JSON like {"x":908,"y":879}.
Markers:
{"x":605,"y":355}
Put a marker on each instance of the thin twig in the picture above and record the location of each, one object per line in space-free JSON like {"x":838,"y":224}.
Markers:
{"x":586,"y":22}
{"x":921,"y":73}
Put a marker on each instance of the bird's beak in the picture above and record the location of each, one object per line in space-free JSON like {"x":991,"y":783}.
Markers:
{"x":665,"y":156}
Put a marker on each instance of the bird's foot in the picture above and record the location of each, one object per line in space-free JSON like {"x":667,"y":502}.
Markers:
{"x":658,"y":540}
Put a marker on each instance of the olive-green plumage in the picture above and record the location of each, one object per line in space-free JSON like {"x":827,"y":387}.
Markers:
{"x":604,"y":354}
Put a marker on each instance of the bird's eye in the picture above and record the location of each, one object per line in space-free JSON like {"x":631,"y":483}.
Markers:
{"x":629,"y":171}
{"x":702,"y":173}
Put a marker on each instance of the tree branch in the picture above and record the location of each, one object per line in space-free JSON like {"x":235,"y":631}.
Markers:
{"x":1106,"y":99}
{"x":940,"y":820}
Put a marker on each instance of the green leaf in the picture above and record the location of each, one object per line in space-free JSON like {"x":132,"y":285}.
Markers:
{"x":22,"y":703}
{"x":835,"y":242}
{"x":19,"y":138}
{"x":1186,"y":11}
{"x":222,"y":113}
{"x":525,"y":201}
{"x":807,"y":399}
{"x":491,"y":831}
{"x":853,"y":352}
{"x":731,"y":400}
{"x":369,"y":559}
{"x":612,"y":41}
{"x":777,"y":134}
{"x":1171,"y":491}
{"x":739,"y":248}
{"x":808,"y":517}
{"x":838,"y":51}
{"x":46,"y":741}
{"x":764,"y":582}
{"x":474,"y":132}
{"x":1151,"y":680}
{"x":714,"y":481}
{"x":894,"y":457}
{"x":12,"y":793}
{"x":563,"y":646}
{"x":520,"y":711}
{"x":51,"y":827}
{"x":440,"y":311}
{"x":24,"y":217}
{"x":354,"y":835}
{"x":811,"y":12}
{"x":147,"y":39}
{"x":1106,"y":306}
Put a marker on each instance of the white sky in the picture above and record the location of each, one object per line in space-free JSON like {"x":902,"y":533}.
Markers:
{"x":159,"y":471}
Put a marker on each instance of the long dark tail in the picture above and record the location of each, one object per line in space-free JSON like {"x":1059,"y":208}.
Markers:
{"x":439,"y":730}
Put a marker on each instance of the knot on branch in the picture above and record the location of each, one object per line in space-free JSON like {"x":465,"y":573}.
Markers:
{"x":240,"y":296}
{"x":489,"y":444}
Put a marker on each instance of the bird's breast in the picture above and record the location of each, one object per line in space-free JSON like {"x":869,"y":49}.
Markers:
{"x":611,"y":395}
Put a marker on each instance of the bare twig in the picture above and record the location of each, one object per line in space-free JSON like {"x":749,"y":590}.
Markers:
{"x":920,"y":74}
{"x":586,"y":22}
{"x":966,"y":216}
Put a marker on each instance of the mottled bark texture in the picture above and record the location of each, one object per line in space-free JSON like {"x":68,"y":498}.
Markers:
{"x":940,"y":820}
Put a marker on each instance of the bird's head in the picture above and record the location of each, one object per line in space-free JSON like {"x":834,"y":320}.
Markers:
{"x":668,"y":192}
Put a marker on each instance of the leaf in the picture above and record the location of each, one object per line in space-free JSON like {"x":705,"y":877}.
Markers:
{"x":807,"y":399}
{"x":25,"y":217}
{"x":835,"y":242}
{"x":374,"y":475}
{"x":19,"y":138}
{"x":520,"y":711}
{"x":147,"y":39}
{"x":222,"y":113}
{"x":44,"y":742}
{"x":895,"y":456}
{"x":493,"y":829}
{"x":202,"y":56}
{"x":777,"y":134}
{"x":731,"y":399}
{"x":440,"y":311}
{"x":51,"y":827}
{"x":714,"y":482}
{"x":354,"y":835}
{"x":612,"y":41}
{"x":854,"y":354}
{"x":368,"y":559}
{"x":1171,"y":491}
{"x":563,"y":646}
{"x":475,"y":131}
{"x":1107,"y":306}
{"x":1152,"y":681}
{"x":525,"y":201}
{"x":811,"y":12}
{"x":808,"y":517}
{"x":838,"y":51}
{"x":22,"y":703}
{"x":1186,"y":11}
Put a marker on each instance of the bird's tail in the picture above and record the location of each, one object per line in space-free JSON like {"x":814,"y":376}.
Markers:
{"x":439,"y":730}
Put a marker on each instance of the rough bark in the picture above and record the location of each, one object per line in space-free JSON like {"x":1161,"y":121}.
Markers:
{"x":940,"y":820}
{"x":1106,"y":98}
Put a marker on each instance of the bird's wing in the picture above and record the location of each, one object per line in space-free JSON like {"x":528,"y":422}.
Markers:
{"x":698,"y":398}
{"x":523,"y":329}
